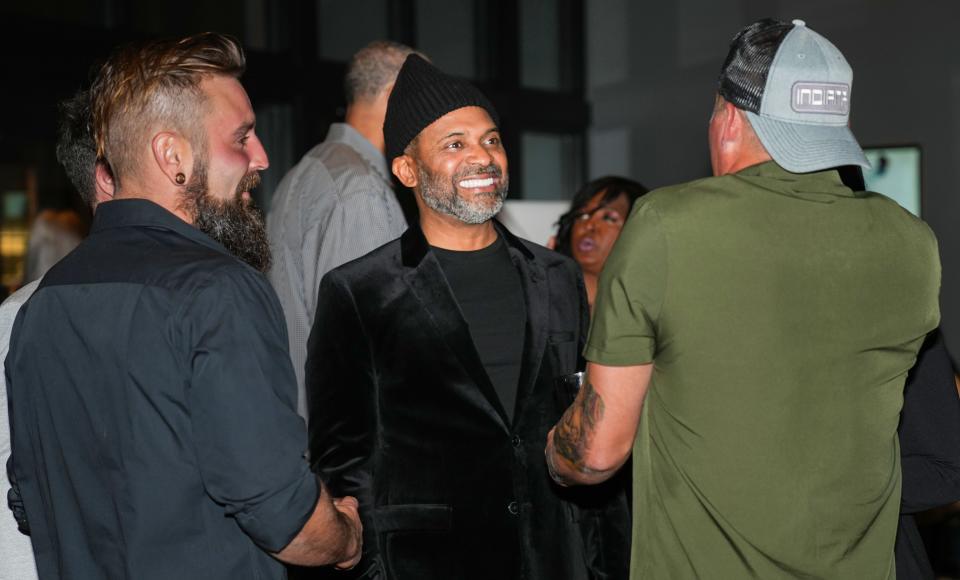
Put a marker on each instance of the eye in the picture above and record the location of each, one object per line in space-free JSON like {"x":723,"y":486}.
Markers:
{"x":494,"y":140}
{"x":582,"y":217}
{"x":243,"y":140}
{"x":453,"y":145}
{"x":612,"y":217}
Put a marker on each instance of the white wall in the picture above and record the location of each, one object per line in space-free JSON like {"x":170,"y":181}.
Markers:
{"x":652,"y":69}
{"x":533,"y":220}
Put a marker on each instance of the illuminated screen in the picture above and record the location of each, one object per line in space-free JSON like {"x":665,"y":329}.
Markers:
{"x":895,"y":174}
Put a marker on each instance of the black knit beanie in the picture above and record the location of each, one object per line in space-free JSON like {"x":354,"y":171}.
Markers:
{"x":421,"y":95}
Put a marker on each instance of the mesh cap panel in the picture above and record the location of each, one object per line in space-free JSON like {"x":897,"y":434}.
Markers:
{"x":744,"y":73}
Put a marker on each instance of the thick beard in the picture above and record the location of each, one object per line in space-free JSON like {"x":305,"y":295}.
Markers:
{"x":236,"y":223}
{"x":444,"y":198}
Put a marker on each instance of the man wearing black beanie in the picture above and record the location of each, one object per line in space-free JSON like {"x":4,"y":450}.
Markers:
{"x":433,"y":364}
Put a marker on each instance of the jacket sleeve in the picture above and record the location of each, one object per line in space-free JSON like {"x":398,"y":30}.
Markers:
{"x":342,"y":402}
{"x":930,"y":431}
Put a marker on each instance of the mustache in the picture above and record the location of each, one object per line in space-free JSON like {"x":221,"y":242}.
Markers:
{"x":493,"y":170}
{"x":249,"y":182}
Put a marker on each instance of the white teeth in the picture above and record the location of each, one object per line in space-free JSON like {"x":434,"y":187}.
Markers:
{"x":471,"y":183}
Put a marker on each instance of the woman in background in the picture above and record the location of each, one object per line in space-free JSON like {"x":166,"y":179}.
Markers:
{"x":588,"y":231}
{"x":587,"y":234}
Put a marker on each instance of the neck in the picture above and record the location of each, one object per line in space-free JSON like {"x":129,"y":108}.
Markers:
{"x":367,"y":119}
{"x":449,"y":233}
{"x":170,"y":201}
{"x":740,"y":162}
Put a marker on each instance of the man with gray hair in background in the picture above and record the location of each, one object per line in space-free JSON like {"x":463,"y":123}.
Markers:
{"x":337,"y":203}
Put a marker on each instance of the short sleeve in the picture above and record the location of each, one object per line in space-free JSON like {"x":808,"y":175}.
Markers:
{"x":242,"y":401}
{"x":630,"y":293}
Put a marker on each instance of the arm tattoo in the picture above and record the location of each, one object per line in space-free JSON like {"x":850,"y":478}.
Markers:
{"x":576,"y":428}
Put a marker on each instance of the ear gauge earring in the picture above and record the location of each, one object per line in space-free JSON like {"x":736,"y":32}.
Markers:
{"x":180,"y":179}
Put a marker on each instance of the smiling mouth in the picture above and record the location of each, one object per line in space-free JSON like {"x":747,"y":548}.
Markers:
{"x":476,"y":183}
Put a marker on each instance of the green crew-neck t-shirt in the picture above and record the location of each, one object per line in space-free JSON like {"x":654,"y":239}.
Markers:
{"x":781,"y":312}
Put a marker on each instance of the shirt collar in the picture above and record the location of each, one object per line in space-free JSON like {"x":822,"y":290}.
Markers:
{"x":137,"y":212}
{"x":414,"y":246}
{"x":825,"y":182}
{"x":344,"y":133}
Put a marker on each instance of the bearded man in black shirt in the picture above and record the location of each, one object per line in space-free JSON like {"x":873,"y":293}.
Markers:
{"x":151,"y":395}
{"x":432,"y":367}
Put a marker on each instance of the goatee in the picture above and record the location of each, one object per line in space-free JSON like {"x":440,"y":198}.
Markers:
{"x":440,"y":194}
{"x":236,"y":223}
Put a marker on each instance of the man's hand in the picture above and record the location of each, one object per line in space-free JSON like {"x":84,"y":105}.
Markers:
{"x":349,"y":510}
{"x":332,"y":535}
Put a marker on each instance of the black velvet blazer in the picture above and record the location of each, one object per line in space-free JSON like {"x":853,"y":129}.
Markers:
{"x":404,"y":417}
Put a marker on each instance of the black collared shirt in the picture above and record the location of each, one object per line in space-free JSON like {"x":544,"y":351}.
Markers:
{"x":153,"y":409}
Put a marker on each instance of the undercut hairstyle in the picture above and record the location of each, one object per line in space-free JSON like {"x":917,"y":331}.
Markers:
{"x":374,"y":67}
{"x":155,"y":86}
{"x":612,"y":188}
{"x":76,"y":149}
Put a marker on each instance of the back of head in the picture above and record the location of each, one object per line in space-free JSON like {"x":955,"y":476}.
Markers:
{"x":612,"y":187}
{"x":76,"y":149}
{"x":795,"y":87}
{"x":148,"y":86}
{"x":373,"y":68}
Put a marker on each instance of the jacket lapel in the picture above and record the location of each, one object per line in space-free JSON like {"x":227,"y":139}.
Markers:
{"x":426,"y":280}
{"x":536,"y":296}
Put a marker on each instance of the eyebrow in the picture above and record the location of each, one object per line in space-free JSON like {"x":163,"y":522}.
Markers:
{"x":461,"y":133}
{"x":244,"y":129}
{"x":598,"y":208}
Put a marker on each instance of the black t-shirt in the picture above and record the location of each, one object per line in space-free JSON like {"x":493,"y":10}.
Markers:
{"x":487,"y":287}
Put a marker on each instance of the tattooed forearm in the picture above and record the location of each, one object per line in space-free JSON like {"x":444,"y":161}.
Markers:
{"x":578,"y":424}
{"x":573,"y":434}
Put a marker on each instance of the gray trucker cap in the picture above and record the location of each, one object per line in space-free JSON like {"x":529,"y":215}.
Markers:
{"x":795,"y":87}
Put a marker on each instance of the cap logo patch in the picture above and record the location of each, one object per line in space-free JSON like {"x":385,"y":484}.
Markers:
{"x":829,"y":98}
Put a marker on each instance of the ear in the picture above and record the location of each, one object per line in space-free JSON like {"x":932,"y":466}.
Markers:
{"x":405,"y":168}
{"x":385,"y":91}
{"x":731,"y":123}
{"x":103,"y":182}
{"x":173,"y":155}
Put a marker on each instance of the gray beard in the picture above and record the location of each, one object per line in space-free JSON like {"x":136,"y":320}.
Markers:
{"x":237,"y":225}
{"x":443,"y":197}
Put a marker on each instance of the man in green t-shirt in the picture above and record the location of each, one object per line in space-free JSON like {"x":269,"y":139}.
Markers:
{"x":751,"y":337}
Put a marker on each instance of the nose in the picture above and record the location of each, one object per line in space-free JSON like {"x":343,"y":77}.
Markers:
{"x":258,"y":155}
{"x":591,"y":223}
{"x":585,"y":224}
{"x":479,"y":155}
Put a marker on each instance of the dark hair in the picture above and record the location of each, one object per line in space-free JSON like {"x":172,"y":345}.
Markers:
{"x":76,"y":149}
{"x":612,"y":186}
